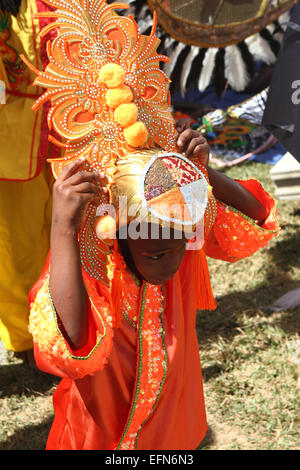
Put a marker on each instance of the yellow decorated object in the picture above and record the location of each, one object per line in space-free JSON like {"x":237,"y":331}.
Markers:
{"x":136,"y":135}
{"x":105,"y":227}
{"x":149,"y":185}
{"x":117,"y":96}
{"x":19,"y":127}
{"x":126,"y":114}
{"x":25,"y":204}
{"x":112,"y":75}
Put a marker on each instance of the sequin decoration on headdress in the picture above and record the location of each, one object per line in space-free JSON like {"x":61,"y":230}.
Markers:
{"x":108,"y":95}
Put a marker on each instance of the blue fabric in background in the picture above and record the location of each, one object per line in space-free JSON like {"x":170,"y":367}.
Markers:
{"x":271,"y":156}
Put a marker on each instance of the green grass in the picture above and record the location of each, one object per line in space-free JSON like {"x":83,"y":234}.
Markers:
{"x":250,"y":358}
{"x":25,"y":407}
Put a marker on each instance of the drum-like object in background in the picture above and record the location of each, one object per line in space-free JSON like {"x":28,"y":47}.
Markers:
{"x":217,"y":23}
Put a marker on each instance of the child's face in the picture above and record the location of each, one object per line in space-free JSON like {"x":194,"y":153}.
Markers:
{"x":157,"y":260}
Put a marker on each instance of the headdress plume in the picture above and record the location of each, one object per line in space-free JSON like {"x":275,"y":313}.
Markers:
{"x":107,"y":93}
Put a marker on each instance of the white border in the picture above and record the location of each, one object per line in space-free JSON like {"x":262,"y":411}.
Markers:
{"x":142,"y":182}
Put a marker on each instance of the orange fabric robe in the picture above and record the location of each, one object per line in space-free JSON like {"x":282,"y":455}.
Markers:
{"x":139,"y":386}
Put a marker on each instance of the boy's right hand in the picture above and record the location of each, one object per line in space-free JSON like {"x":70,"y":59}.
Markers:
{"x":72,"y":192}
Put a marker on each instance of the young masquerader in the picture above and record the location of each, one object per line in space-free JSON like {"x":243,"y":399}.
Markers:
{"x":114,"y":311}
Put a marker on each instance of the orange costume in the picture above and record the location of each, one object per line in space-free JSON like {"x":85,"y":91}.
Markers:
{"x":141,"y":388}
{"x":137,"y":382}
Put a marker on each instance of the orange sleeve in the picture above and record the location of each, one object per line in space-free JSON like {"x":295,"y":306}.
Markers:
{"x":234,"y":235}
{"x":52,"y":352}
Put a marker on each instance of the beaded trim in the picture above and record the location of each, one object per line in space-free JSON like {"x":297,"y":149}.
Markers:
{"x":44,"y":327}
{"x":151,"y":364}
{"x":164,"y":377}
{"x":99,"y":337}
{"x":130,"y":301}
{"x":252,"y":222}
{"x":94,"y":252}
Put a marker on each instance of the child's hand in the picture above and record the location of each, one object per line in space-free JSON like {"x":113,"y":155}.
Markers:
{"x":192,"y":144}
{"x":72,"y":192}
{"x":183,"y":123}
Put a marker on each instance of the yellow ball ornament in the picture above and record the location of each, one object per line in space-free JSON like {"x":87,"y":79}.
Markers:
{"x":126,"y":114}
{"x":112,"y":75}
{"x":136,"y":135}
{"x":105,"y":227}
{"x":119,"y":95}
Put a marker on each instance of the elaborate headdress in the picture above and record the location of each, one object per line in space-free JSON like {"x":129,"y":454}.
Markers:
{"x":107,"y":93}
{"x":110,"y":101}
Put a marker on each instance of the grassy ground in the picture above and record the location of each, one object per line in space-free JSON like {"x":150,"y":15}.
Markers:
{"x":250,"y":358}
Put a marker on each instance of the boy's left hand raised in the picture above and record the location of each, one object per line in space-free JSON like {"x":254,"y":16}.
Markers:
{"x":192,"y":144}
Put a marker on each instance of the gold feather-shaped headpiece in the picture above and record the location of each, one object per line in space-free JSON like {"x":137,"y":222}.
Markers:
{"x":107,"y":93}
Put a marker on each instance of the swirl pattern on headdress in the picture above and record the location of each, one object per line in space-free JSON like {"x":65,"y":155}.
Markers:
{"x":91,"y":35}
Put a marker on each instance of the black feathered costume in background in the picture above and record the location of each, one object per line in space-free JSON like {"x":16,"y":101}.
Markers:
{"x":188,"y":62}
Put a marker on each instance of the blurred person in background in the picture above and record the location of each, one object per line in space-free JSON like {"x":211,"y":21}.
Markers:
{"x":25,"y":181}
